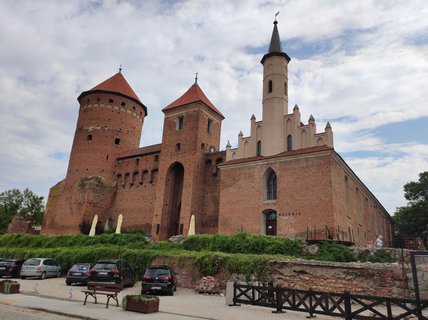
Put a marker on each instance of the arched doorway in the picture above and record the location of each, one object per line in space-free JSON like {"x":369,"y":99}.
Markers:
{"x":270,"y":222}
{"x":174,"y":192}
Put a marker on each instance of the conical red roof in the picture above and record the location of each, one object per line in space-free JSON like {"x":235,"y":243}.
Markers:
{"x":194,"y":94}
{"x":115,"y":84}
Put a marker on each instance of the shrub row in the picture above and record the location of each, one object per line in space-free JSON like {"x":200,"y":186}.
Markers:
{"x":79,"y":240}
{"x":244,"y":243}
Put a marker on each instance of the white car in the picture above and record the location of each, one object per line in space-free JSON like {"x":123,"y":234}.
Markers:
{"x":40,"y":267}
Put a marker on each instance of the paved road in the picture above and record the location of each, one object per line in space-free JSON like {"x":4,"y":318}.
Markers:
{"x":17,"y":313}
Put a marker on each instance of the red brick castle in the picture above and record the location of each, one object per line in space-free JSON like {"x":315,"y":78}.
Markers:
{"x":284,"y":179}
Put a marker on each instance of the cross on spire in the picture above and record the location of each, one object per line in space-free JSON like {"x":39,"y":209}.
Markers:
{"x":276,"y":14}
{"x":196,"y":77}
{"x":120,"y":68}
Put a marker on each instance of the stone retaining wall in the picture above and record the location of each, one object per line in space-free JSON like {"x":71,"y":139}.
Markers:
{"x":386,"y":279}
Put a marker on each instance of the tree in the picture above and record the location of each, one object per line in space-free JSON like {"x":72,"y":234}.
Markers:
{"x":413,"y":218}
{"x":25,"y":204}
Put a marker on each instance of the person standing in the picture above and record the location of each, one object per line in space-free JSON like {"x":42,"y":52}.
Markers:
{"x":378,"y":243}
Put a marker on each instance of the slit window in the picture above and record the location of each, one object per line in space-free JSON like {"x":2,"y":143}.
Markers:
{"x":180,"y":123}
{"x":210,"y":126}
{"x":270,"y":86}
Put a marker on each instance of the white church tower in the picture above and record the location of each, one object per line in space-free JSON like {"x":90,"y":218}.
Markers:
{"x":275,"y":96}
{"x":278,"y":131}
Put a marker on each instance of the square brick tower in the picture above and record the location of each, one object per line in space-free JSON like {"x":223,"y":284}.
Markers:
{"x":192,"y":128}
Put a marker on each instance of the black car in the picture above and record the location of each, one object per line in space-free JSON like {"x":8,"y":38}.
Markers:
{"x":78,"y":273}
{"x":112,"y":270}
{"x":10,"y":267}
{"x":159,"y":279}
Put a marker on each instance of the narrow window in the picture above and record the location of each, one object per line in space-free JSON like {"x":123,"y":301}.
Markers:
{"x":156,"y":158}
{"x":210,"y":126}
{"x":123,"y":104}
{"x":177,"y":146}
{"x":157,"y":228}
{"x":180,"y":123}
{"x":110,"y":100}
{"x":289,"y":143}
{"x":137,"y":161}
{"x":117,"y":141}
{"x":285,"y":88}
{"x":89,"y":137}
{"x":259,"y":148}
{"x":270,"y":86}
{"x":271,"y":186}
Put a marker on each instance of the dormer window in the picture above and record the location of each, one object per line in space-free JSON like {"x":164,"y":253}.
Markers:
{"x":179,"y":123}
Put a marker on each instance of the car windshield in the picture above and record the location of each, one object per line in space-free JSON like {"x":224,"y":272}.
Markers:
{"x":7,"y":262}
{"x":32,"y":262}
{"x":80,"y":267}
{"x":157,"y":272}
{"x":105,"y":266}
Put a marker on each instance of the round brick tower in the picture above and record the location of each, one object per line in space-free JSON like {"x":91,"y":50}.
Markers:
{"x":110,"y":122}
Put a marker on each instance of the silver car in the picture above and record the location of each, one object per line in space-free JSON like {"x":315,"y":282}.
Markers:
{"x":40,"y":267}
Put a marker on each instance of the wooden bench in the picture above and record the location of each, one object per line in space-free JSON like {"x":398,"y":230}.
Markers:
{"x":107,"y":289}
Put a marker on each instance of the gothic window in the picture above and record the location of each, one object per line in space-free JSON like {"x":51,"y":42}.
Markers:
{"x":270,"y":85}
{"x":259,"y":148}
{"x":210,"y":126}
{"x":289,"y":143}
{"x":179,"y":123}
{"x":271,"y":185}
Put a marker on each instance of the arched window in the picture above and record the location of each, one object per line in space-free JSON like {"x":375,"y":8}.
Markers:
{"x":289,"y":142}
{"x":271,"y":186}
{"x":270,"y":85}
{"x":259,"y":148}
{"x":285,"y":88}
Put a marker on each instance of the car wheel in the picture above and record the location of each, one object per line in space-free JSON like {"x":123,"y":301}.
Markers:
{"x":43,"y":276}
{"x":132,"y":282}
{"x":171,"y":293}
{"x":58,"y":274}
{"x":68,"y":283}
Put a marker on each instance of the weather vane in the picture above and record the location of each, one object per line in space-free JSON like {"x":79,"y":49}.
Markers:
{"x":276,"y":14}
{"x":196,"y":77}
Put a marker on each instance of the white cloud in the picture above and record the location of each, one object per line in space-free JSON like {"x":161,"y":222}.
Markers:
{"x":369,"y":69}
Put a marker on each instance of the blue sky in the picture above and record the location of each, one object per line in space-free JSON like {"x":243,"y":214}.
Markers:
{"x":361,"y":65}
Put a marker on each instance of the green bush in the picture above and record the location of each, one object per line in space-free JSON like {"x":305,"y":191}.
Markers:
{"x":333,"y":252}
{"x":244,"y":243}
{"x":380,"y":256}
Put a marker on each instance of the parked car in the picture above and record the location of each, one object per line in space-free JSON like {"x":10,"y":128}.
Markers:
{"x":40,"y":267}
{"x":10,"y":267}
{"x":159,"y":279}
{"x":78,"y":273}
{"x":112,"y":270}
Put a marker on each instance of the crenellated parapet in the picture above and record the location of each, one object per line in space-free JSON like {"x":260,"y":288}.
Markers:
{"x":295,"y":135}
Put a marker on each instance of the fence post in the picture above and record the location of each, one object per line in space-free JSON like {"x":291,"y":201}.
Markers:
{"x":347,"y":301}
{"x":311,"y":306}
{"x":234,"y":295}
{"x":278,"y":300}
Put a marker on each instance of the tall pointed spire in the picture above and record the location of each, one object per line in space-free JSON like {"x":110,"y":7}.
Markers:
{"x":275,"y":47}
{"x":275,"y":41}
